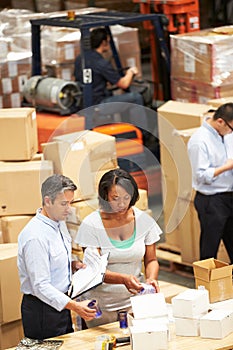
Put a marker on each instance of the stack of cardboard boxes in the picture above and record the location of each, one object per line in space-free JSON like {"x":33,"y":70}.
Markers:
{"x":19,"y":173}
{"x":20,"y":168}
{"x":201,"y":66}
{"x":10,"y":297}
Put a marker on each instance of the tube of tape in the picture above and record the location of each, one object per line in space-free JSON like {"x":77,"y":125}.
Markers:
{"x":105,"y":342}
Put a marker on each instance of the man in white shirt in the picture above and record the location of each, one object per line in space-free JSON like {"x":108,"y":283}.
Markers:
{"x":212,"y":179}
{"x":45,"y":267}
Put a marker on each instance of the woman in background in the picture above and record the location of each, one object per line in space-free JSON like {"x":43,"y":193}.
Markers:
{"x":129,"y":235}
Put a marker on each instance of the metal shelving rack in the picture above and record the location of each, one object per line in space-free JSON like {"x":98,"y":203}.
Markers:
{"x":84,"y":23}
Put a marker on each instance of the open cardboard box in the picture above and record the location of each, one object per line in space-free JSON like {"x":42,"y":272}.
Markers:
{"x":216,"y":277}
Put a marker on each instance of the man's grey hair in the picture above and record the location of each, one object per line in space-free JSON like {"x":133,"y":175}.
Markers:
{"x":56,"y":184}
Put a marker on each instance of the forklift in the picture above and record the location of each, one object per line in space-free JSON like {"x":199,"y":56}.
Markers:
{"x":67,"y":98}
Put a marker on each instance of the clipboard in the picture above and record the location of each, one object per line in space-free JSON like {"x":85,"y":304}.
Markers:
{"x":90,"y":277}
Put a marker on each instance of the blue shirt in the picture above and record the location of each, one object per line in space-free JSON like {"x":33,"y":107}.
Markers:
{"x":207,"y":151}
{"x":44,"y":260}
{"x":102,"y":72}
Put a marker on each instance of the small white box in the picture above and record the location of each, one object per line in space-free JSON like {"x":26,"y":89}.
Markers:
{"x":149,"y":306}
{"x":190,"y":303}
{"x":149,"y":324}
{"x":217,"y":324}
{"x":225,"y":304}
{"x":138,"y":322}
{"x":187,"y":327}
{"x":153,"y":336}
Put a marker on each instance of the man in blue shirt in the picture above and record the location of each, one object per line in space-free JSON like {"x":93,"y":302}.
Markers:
{"x":45,"y":267}
{"x":212,"y":178}
{"x":103,"y":73}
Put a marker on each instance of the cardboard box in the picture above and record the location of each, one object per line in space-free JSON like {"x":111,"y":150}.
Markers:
{"x":18,"y":130}
{"x":61,"y":46}
{"x":187,"y":90}
{"x":174,"y":115}
{"x":83,"y":208}
{"x":126,"y":40}
{"x":61,"y":70}
{"x":51,"y":6}
{"x":190,"y":303}
{"x":20,"y":186}
{"x":10,"y":295}
{"x":203,"y":56}
{"x":217,"y":102}
{"x":16,"y":64}
{"x":188,"y":230}
{"x":188,"y":226}
{"x":12,"y":226}
{"x":1,"y":238}
{"x":216,"y":277}
{"x":142,"y":202}
{"x":101,"y":148}
{"x":10,"y":334}
{"x":72,"y":161}
{"x":13,"y":100}
{"x":217,"y":324}
{"x":97,"y":175}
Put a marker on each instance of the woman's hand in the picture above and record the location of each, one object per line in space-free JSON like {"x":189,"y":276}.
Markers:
{"x":132,"y":284}
{"x":153,"y":283}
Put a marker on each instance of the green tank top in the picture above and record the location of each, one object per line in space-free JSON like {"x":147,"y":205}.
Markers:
{"x":124,"y":244}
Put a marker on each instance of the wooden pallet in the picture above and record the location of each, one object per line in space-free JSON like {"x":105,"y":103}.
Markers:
{"x":171,"y":261}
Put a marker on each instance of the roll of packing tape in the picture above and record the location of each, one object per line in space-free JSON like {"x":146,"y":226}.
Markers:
{"x":105,"y":342}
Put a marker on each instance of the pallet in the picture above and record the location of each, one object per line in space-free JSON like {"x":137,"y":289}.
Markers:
{"x":171,"y":261}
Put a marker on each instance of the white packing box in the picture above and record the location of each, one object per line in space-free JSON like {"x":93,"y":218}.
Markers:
{"x":190,"y":303}
{"x":153,"y":336}
{"x":149,"y":306}
{"x":187,"y":327}
{"x":217,"y":324}
{"x":149,"y":324}
{"x":225,"y":304}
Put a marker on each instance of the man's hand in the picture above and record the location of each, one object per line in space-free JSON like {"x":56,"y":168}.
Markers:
{"x":133,"y":70}
{"x":76,"y":265}
{"x":81,"y":308}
